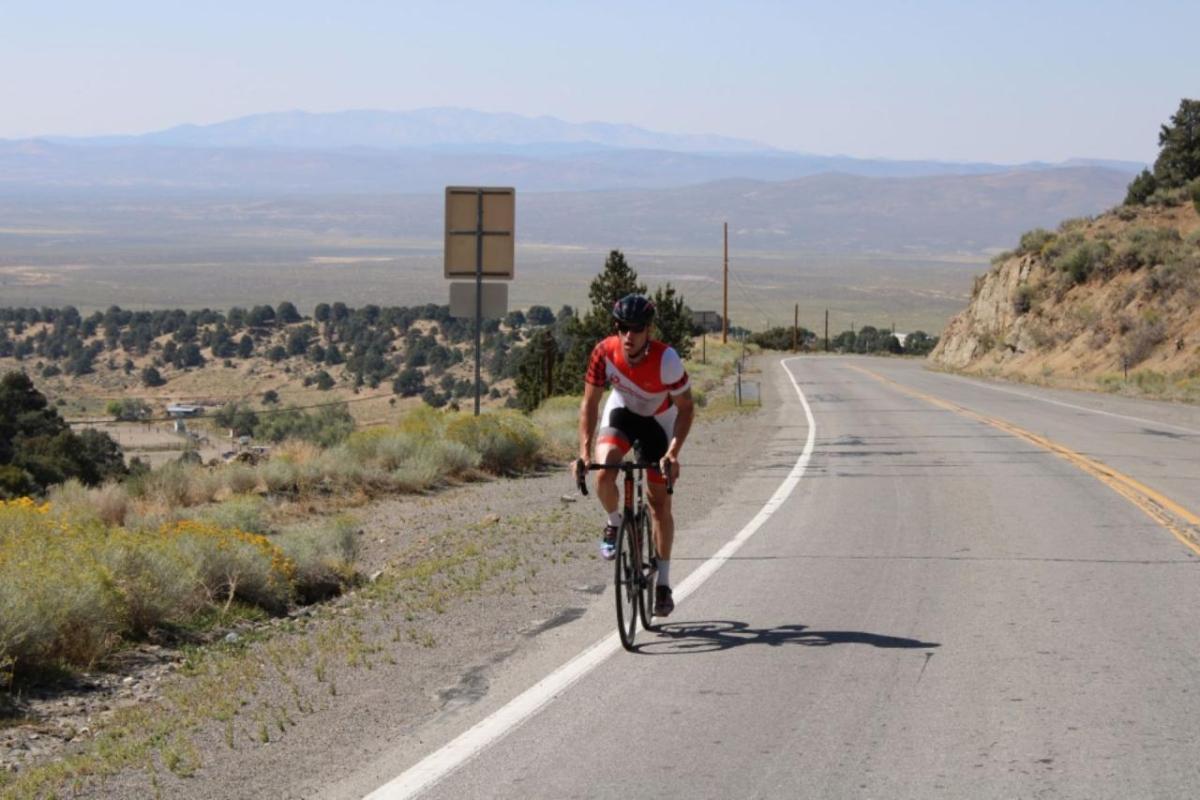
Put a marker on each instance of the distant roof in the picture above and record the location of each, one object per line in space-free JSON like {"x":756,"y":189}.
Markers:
{"x":184,"y":408}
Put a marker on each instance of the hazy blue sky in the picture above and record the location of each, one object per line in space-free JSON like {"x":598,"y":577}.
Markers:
{"x":996,"y":81}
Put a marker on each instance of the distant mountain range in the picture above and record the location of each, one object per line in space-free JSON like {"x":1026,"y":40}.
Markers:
{"x":382,"y":174}
{"x":425,"y":150}
{"x":454,"y":128}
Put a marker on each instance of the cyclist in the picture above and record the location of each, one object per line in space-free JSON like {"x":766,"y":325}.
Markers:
{"x":650,"y":408}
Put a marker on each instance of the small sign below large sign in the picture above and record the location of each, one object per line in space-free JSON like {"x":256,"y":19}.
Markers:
{"x":480,"y":227}
{"x":462,"y":300}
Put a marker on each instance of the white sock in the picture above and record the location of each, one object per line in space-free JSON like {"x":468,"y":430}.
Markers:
{"x":614,"y":519}
{"x":664,"y":572}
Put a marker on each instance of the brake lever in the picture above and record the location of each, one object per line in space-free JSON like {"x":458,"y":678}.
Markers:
{"x":581,"y":476}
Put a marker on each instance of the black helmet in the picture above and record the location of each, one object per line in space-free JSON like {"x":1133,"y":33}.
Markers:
{"x":633,"y":309}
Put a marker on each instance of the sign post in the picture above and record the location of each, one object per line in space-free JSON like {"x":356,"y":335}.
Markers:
{"x":480,"y":242}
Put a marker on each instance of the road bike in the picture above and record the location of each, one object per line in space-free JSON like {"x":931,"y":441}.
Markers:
{"x":636,"y":563}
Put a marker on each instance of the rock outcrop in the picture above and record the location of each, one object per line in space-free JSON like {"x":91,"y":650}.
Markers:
{"x":1087,"y":305}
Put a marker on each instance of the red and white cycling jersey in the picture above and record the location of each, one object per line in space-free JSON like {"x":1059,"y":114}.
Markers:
{"x":644,"y":388}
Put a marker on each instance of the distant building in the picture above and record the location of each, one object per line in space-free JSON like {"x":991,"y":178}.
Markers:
{"x":184,"y":410}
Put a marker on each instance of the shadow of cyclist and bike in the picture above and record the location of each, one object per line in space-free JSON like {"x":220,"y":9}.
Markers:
{"x":680,"y":638}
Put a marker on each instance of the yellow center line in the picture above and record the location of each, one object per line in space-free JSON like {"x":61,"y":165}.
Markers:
{"x":1157,"y":506}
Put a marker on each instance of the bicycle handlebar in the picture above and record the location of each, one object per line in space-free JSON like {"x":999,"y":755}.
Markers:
{"x":581,"y":480}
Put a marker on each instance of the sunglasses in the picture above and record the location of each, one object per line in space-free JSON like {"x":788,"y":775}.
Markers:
{"x":623,"y":328}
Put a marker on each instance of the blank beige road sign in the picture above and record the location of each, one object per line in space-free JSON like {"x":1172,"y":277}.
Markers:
{"x":462,"y":300}
{"x":462,"y":226}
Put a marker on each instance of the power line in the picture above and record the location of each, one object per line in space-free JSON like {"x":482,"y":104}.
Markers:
{"x":745,"y":291}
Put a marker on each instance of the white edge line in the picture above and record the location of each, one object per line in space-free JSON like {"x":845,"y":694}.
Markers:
{"x":985,"y":385}
{"x":431,"y":769}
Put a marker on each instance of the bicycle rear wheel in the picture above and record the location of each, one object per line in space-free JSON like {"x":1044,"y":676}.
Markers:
{"x":649,"y":566}
{"x":627,"y":583}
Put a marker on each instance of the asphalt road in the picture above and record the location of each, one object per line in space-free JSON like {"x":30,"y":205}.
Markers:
{"x":961,"y":596}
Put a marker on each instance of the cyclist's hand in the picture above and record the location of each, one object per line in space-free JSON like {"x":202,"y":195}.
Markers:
{"x":669,"y":465}
{"x":579,"y":468}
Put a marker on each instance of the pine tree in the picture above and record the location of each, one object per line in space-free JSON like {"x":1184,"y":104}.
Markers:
{"x":673,"y":320}
{"x":1179,"y":157}
{"x":617,"y":280}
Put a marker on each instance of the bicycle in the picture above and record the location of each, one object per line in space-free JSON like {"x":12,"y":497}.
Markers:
{"x":636,"y":563}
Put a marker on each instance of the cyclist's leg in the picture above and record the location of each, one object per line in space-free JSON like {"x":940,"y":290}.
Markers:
{"x":611,"y":445}
{"x":660,"y":515}
{"x":613,"y":441}
{"x":652,"y":446}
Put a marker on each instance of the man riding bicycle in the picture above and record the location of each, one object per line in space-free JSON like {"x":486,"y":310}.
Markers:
{"x":650,"y":408}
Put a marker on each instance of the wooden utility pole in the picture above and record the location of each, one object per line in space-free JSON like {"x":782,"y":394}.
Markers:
{"x":827,"y":330}
{"x":795,"y":327}
{"x":725,"y":295}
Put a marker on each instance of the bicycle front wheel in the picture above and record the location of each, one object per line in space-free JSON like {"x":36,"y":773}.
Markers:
{"x":649,"y":558}
{"x":627,"y":583}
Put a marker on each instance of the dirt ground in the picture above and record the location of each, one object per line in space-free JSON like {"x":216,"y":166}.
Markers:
{"x":461,"y":582}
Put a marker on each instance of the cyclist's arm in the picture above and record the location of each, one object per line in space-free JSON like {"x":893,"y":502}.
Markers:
{"x":683,"y":422}
{"x":589,"y":411}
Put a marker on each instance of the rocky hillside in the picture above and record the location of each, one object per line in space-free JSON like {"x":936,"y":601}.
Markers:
{"x":1107,"y":302}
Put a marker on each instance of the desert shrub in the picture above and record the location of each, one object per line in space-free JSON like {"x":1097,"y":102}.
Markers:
{"x":325,"y":427}
{"x":156,"y":583}
{"x":1150,"y":381}
{"x":280,"y":475}
{"x":1073,"y":224}
{"x":424,"y":422}
{"x":234,"y":565}
{"x":324,"y":556}
{"x":420,"y":472}
{"x":246,"y":513}
{"x":203,"y":485}
{"x":429,"y":462}
{"x":416,"y":454}
{"x":71,"y":587}
{"x":1178,"y":273}
{"x":71,"y":498}
{"x":1168,"y":196}
{"x":1194,"y":191}
{"x":1142,"y":338}
{"x":1034,"y":241}
{"x":1083,"y":316}
{"x":54,"y":605}
{"x":239,"y":478}
{"x":1100,"y":338}
{"x":341,"y":468}
{"x":111,"y":503}
{"x":507,"y":443}
{"x":169,"y":485}
{"x":558,"y":421}
{"x":1081,"y":260}
{"x":1023,"y":299}
{"x":1043,"y":336}
{"x":108,"y":504}
{"x":1146,"y":247}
